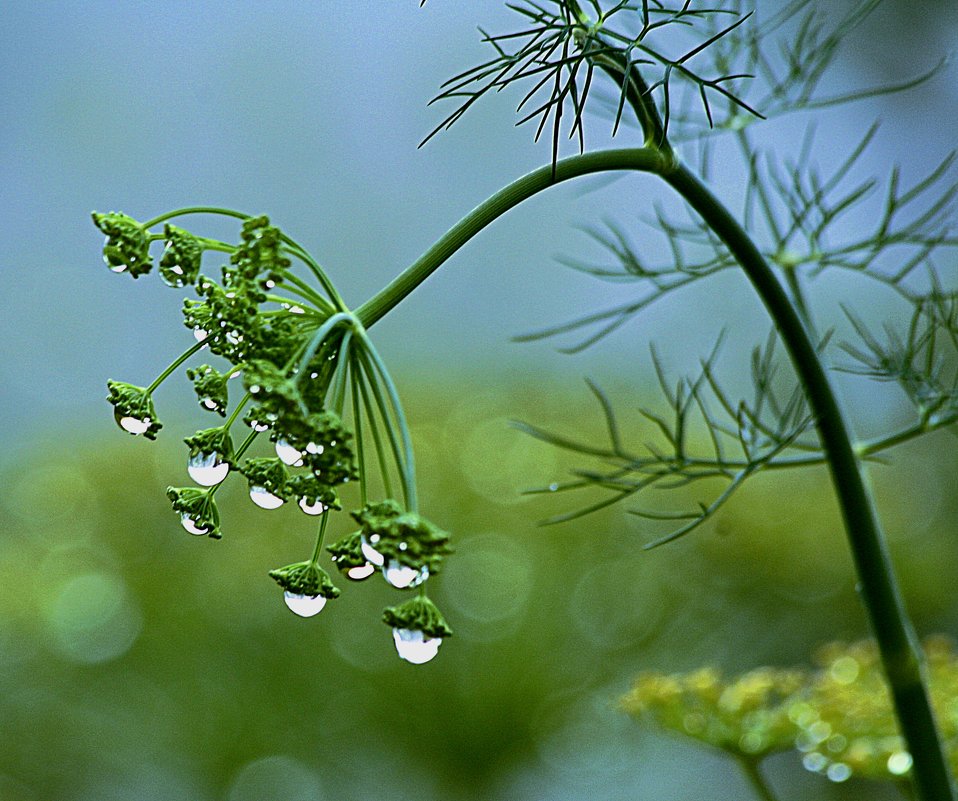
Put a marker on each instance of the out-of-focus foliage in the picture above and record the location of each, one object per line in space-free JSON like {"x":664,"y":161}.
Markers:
{"x":838,"y":717}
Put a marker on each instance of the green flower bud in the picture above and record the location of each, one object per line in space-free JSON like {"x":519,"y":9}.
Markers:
{"x":127,"y":246}
{"x":313,"y":495}
{"x":418,"y":629}
{"x":267,"y":479}
{"x":133,"y":409}
{"x":211,"y":388}
{"x":306,"y":587}
{"x":180,"y":263}
{"x":347,"y":555}
{"x":197,"y":510}
{"x":406,"y":545}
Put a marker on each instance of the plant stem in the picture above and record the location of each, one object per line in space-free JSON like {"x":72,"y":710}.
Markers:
{"x":641,"y":159}
{"x":897,"y":643}
{"x":755,"y":778}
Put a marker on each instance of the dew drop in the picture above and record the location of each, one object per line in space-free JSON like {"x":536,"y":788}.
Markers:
{"x":402,"y":576}
{"x":899,"y":763}
{"x":209,"y":403}
{"x":191,"y":526}
{"x":312,"y":508}
{"x":260,"y":427}
{"x":838,"y":772}
{"x":199,"y":334}
{"x":207,"y":469}
{"x":361,"y":572}
{"x":553,"y":487}
{"x":372,"y":555}
{"x":304,"y":605}
{"x":264,"y":499}
{"x":288,"y":454}
{"x":313,"y":448}
{"x":135,"y":425}
{"x":413,"y":646}
{"x":270,"y":284}
{"x":297,"y":310}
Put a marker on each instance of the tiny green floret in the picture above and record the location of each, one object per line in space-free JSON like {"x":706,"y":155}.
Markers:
{"x":197,"y":510}
{"x":305,"y":578}
{"x":211,"y":441}
{"x":133,"y":409}
{"x":418,"y":614}
{"x":211,"y":387}
{"x":182,"y":257}
{"x":127,"y":246}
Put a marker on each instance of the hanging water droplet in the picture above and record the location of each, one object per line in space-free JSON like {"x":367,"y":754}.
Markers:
{"x":207,"y":469}
{"x":135,"y":425}
{"x":199,"y":334}
{"x":553,"y":487}
{"x":260,"y":427}
{"x":372,"y":555}
{"x":297,"y":310}
{"x":304,"y":605}
{"x":192,"y":526}
{"x":210,"y":404}
{"x":312,"y":508}
{"x":413,"y":646}
{"x":270,"y":284}
{"x":313,"y":448}
{"x":402,"y":576}
{"x":255,"y":389}
{"x":234,"y":337}
{"x":361,"y":572}
{"x":264,"y":499}
{"x":899,"y":763}
{"x":288,"y":454}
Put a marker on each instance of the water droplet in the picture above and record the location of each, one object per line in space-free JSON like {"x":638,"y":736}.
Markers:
{"x":207,"y":469}
{"x":210,"y":404}
{"x":270,"y":284}
{"x":260,"y":427}
{"x":304,"y":605}
{"x":361,"y":572}
{"x":191,"y":526}
{"x":134,"y":425}
{"x":288,"y":454}
{"x":372,"y":555}
{"x":256,"y":388}
{"x":899,"y":763}
{"x":312,"y":447}
{"x":234,"y":337}
{"x":403,"y":546}
{"x":176,"y":269}
{"x":199,"y":334}
{"x":312,"y":508}
{"x":264,"y":499}
{"x":553,"y":487}
{"x":814,"y":762}
{"x":838,"y":772}
{"x":297,"y":310}
{"x":402,"y":576}
{"x":413,"y":646}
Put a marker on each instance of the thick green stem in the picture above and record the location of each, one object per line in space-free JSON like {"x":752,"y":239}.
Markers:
{"x":897,"y":643}
{"x":641,"y":159}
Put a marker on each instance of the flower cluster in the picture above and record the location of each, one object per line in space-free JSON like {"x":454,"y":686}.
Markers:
{"x":299,"y":358}
{"x":839,"y":718}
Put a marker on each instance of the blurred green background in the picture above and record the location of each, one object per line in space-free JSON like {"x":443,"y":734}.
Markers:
{"x":139,"y":663}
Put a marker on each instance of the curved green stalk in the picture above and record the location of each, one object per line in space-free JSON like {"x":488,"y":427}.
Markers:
{"x":321,"y":534}
{"x":176,"y":363}
{"x":640,"y":159}
{"x":898,"y":646}
{"x":897,"y":642}
{"x":377,"y":439}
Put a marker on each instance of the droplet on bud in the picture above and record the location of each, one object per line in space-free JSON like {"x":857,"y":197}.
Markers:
{"x":313,"y":448}
{"x":135,"y":425}
{"x":199,"y":334}
{"x":191,"y":526}
{"x":288,"y":454}
{"x":372,"y":555}
{"x":402,"y":576}
{"x":265,"y":499}
{"x":361,"y":572}
{"x":413,"y":646}
{"x":304,"y":605}
{"x":312,"y":508}
{"x":207,"y":469}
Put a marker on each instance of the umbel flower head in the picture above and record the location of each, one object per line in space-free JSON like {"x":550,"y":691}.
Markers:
{"x":182,"y":256}
{"x":127,"y":246}
{"x":267,"y":478}
{"x":211,"y":388}
{"x":404,"y":544}
{"x":211,"y":454}
{"x":418,"y":629}
{"x":133,"y":409}
{"x":306,"y":587}
{"x":197,"y":510}
{"x":347,"y":554}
